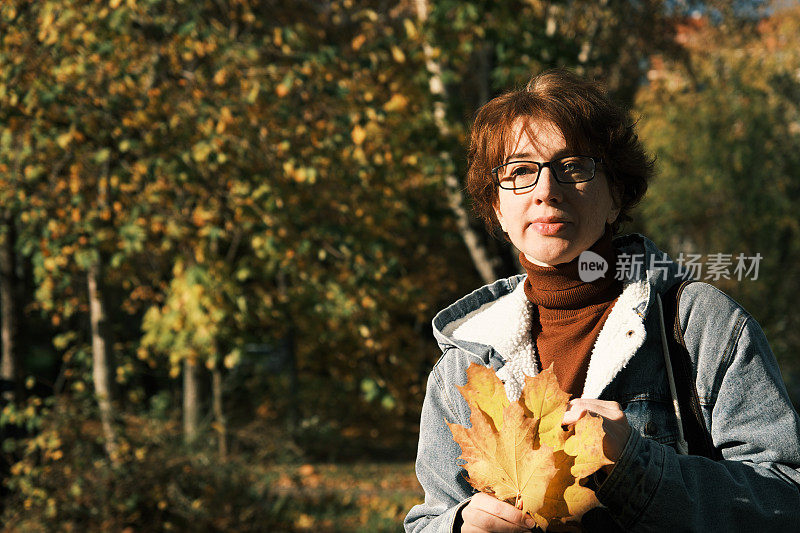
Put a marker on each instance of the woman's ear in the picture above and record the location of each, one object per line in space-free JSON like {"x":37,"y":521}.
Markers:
{"x":616,"y":204}
{"x":499,"y":216}
{"x":612,"y":215}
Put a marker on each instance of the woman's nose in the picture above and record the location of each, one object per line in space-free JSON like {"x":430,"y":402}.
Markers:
{"x":547,"y":189}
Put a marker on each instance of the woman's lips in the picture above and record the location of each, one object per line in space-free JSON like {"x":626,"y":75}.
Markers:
{"x":548,"y":226}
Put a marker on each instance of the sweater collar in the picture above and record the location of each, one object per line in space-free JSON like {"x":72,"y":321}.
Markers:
{"x":560,"y":287}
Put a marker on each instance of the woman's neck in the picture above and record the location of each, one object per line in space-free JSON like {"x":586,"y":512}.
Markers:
{"x":560,"y":287}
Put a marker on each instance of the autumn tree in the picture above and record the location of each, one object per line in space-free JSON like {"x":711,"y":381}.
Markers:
{"x":725,"y":127}
{"x":179,"y":181}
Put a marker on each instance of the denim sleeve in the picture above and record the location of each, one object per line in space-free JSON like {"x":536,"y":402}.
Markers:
{"x":437,"y":466}
{"x":756,"y":487}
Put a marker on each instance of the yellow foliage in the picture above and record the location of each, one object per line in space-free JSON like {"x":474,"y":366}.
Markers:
{"x":397,"y":102}
{"x":64,"y":139}
{"x":220,"y":77}
{"x":411,"y":30}
{"x":358,"y":134}
{"x":398,"y":54}
{"x":358,"y":41}
{"x":519,"y":452}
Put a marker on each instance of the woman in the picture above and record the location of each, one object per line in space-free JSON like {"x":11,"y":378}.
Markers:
{"x":558,"y":168}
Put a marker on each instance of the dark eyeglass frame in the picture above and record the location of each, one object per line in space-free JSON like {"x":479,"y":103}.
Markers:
{"x":549,"y":164}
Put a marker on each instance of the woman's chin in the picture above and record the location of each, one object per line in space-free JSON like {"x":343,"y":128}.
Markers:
{"x":547,"y":251}
{"x":549,"y":259}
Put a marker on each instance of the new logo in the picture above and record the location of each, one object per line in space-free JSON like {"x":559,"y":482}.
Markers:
{"x":591,"y":266}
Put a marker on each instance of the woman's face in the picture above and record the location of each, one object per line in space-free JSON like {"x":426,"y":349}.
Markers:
{"x":552,"y":223}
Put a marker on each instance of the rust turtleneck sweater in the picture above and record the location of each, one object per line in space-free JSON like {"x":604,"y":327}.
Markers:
{"x":571,"y":313}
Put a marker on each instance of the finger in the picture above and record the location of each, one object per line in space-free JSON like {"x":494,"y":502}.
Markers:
{"x":479,"y":520}
{"x":504,"y":511}
{"x":575,"y":413}
{"x":596,"y":405}
{"x":578,"y":408}
{"x":491,"y":514}
{"x":571,"y":417}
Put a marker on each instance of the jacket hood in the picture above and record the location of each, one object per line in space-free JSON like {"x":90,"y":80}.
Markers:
{"x":497,"y":318}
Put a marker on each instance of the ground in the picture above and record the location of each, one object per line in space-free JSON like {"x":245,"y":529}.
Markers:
{"x":357,"y":497}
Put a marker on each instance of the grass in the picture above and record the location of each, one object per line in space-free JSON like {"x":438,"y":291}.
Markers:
{"x":352,"y":497}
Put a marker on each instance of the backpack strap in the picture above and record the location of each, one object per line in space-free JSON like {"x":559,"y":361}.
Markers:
{"x":695,"y":431}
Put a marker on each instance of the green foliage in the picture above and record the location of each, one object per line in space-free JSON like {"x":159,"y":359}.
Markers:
{"x":197,"y":312}
{"x":725,"y":132}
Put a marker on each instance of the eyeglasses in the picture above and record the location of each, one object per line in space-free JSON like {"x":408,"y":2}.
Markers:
{"x":517,"y":175}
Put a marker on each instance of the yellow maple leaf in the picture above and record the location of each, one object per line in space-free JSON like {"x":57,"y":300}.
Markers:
{"x":506,"y":463}
{"x":485,"y":392}
{"x":519,"y":452}
{"x":587,"y":450}
{"x":545,"y":400}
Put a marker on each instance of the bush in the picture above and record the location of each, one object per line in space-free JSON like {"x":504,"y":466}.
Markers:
{"x":62,"y":481}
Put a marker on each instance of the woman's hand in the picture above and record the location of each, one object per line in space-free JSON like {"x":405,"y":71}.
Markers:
{"x":615,"y":424}
{"x":485,"y":513}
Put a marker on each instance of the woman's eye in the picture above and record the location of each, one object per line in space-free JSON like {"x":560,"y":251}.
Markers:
{"x":523,"y":170}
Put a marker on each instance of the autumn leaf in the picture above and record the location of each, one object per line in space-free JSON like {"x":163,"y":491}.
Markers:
{"x":566,"y":500}
{"x":545,"y":400}
{"x":587,"y":450}
{"x":397,"y":102}
{"x":485,"y":392}
{"x":506,"y":464}
{"x":519,"y":452}
{"x":358,"y":134}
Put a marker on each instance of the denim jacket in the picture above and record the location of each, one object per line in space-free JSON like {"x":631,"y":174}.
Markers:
{"x":756,"y":485}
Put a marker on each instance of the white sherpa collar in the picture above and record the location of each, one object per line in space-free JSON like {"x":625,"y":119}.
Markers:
{"x":505,"y":324}
{"x":621,"y":335}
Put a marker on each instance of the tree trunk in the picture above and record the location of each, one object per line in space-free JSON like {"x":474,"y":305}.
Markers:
{"x":483,"y":57}
{"x":9,"y":369}
{"x":587,"y":47}
{"x":191,"y":399}
{"x":101,"y":364}
{"x":477,"y":251}
{"x":219,"y":414}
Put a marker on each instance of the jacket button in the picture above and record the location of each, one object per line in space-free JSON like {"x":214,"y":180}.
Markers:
{"x":650,"y":428}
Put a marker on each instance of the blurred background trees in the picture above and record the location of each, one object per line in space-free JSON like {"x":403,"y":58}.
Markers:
{"x":724,"y":123}
{"x":225,"y":225}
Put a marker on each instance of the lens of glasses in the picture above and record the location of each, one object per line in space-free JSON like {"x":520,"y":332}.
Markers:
{"x":573,"y":169}
{"x":523,"y":174}
{"x":518,"y":175}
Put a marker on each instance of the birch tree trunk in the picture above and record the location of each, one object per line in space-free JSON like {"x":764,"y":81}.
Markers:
{"x":8,"y":361}
{"x":219,"y":413}
{"x":191,"y":399}
{"x":480,"y":257}
{"x":588,"y":44}
{"x":101,"y":365}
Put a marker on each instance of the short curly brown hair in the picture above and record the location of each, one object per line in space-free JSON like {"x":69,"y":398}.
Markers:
{"x":590,"y":122}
